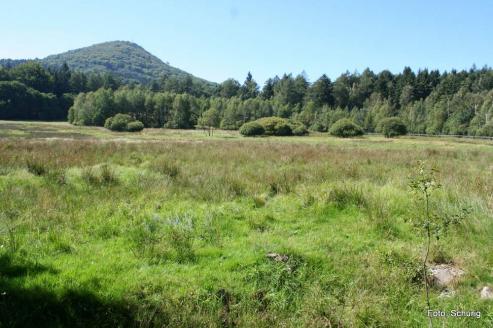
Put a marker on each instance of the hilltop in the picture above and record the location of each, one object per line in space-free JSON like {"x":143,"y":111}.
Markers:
{"x":124,"y":59}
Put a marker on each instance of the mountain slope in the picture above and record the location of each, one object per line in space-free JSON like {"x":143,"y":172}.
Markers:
{"x":125,"y":59}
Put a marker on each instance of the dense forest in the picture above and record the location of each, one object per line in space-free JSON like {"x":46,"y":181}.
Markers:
{"x":456,"y":102}
{"x":29,"y":91}
{"x":459,"y":103}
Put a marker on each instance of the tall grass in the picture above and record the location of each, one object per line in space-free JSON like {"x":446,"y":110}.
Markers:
{"x":175,"y":232}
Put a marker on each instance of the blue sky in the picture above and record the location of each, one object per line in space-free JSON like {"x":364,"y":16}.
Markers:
{"x":221,"y":39}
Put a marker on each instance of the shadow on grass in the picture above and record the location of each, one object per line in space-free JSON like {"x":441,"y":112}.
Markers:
{"x":40,"y":307}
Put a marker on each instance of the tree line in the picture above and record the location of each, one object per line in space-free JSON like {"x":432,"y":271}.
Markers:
{"x":428,"y":102}
{"x":455,"y":102}
{"x":29,"y":91}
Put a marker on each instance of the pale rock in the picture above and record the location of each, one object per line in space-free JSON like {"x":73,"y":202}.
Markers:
{"x":444,"y":275}
{"x":278,"y":257}
{"x":486,"y":293}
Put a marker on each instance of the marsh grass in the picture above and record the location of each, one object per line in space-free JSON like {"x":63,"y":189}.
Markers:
{"x":103,"y":175}
{"x":261,"y":223}
{"x":107,"y":175}
{"x":172,"y":228}
{"x":380,"y":215}
{"x":9,"y":239}
{"x":259,"y":200}
{"x":36,"y":167}
{"x":179,"y":233}
{"x":346,"y":195}
{"x":279,"y":284}
{"x":162,"y":239}
{"x":166,"y":167}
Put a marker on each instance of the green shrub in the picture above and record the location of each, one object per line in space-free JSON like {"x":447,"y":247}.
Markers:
{"x":283,"y":129}
{"x":345,"y":128}
{"x":486,"y":131}
{"x":71,"y":115}
{"x":123,"y":122}
{"x":119,"y":122}
{"x":298,"y":128}
{"x":392,"y":127}
{"x":228,"y":125}
{"x":107,"y":123}
{"x":319,"y":127}
{"x":252,"y":129}
{"x":275,"y":126}
{"x":135,"y":126}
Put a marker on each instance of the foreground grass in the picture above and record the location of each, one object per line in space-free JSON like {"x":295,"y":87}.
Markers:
{"x":172,"y":228}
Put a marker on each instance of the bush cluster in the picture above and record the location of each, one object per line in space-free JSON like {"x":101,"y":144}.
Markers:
{"x":392,"y":127}
{"x":345,"y":128}
{"x":273,"y":126}
{"x":298,"y":128}
{"x":123,"y":122}
{"x":135,"y":126}
{"x":250,"y":129}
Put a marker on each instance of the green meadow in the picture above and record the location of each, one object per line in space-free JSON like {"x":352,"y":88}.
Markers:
{"x":175,"y":228}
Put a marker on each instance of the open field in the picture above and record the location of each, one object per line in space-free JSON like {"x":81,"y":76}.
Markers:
{"x":173,"y":228}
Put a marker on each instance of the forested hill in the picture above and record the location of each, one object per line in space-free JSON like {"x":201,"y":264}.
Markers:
{"x":121,"y":58}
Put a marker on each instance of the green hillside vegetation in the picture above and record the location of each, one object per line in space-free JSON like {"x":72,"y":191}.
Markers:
{"x":123,"y":59}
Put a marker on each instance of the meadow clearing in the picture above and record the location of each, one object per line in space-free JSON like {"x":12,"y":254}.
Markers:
{"x":179,"y":229}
